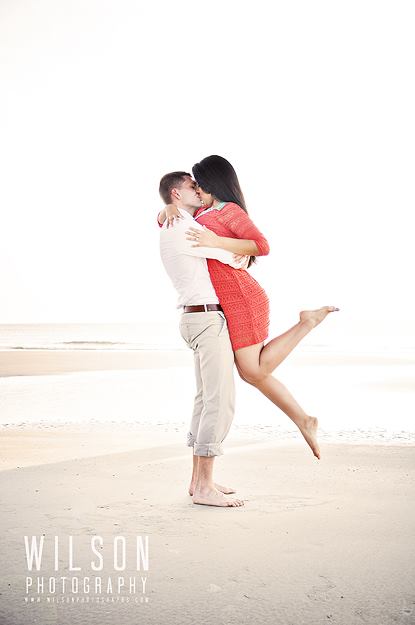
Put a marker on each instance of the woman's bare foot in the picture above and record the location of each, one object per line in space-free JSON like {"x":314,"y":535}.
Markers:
{"x":309,"y":431}
{"x":213,"y":497}
{"x":227,"y":490}
{"x":314,"y":317}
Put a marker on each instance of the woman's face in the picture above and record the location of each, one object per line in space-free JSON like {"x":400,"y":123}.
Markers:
{"x":207,"y":198}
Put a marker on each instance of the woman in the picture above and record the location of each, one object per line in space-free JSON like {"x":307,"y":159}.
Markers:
{"x":244,"y":302}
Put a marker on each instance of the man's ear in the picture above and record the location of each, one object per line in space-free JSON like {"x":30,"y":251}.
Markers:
{"x":175,"y":194}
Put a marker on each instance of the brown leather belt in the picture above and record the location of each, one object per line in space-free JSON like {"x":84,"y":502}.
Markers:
{"x":202,"y":308}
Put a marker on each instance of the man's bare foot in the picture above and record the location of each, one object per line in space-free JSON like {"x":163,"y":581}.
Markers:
{"x":213,"y":497}
{"x":314,"y":317}
{"x":227,"y":490}
{"x":309,"y":431}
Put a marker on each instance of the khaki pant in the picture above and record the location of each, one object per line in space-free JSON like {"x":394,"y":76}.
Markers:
{"x":207,"y":334}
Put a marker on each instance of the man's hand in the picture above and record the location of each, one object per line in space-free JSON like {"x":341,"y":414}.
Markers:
{"x":172,"y":213}
{"x":203,"y":238}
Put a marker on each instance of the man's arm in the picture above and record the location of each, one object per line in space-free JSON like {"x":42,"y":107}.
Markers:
{"x":186,"y":247}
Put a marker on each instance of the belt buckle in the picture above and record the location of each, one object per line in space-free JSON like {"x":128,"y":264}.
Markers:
{"x":205,"y":306}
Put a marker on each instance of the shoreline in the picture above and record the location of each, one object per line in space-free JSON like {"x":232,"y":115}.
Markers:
{"x":40,"y":444}
{"x":144,"y":389}
{"x":21,"y":361}
{"x":36,"y":362}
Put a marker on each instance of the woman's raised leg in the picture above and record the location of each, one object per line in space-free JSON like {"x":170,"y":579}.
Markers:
{"x":276,"y":350}
{"x":255,"y":364}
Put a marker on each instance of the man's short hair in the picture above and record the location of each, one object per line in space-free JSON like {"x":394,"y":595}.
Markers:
{"x":169,"y":182}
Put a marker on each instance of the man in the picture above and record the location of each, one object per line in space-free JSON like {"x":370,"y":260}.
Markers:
{"x":203,"y":327}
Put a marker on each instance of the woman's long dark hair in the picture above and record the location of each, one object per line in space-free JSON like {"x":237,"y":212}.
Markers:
{"x":215,"y":175}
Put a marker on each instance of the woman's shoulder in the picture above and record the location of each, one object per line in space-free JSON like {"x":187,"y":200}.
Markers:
{"x":231,"y":207}
{"x":231,"y":211}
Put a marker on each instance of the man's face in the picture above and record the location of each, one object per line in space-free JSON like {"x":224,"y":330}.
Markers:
{"x":188,"y":195}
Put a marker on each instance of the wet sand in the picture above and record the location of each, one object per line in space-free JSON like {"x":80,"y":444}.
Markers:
{"x":28,"y":362}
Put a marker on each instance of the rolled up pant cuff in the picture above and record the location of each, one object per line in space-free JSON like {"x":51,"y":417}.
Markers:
{"x":204,"y":449}
{"x":190,"y":439}
{"x":207,"y":449}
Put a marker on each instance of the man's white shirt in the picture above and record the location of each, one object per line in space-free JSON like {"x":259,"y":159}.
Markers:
{"x":186,"y":265}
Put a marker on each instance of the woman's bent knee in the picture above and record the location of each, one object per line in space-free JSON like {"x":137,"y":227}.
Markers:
{"x":252,"y":377}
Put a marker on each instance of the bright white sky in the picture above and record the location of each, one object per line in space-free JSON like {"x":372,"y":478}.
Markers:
{"x":312,"y":102}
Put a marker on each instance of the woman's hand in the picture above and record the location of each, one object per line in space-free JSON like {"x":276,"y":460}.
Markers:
{"x":203,"y":238}
{"x":172,"y":213}
{"x":242,"y":260}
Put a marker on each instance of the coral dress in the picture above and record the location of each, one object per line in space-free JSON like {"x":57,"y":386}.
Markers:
{"x":244,"y":301}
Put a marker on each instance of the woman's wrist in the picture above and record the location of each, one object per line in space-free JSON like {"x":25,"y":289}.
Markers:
{"x":171,"y":209}
{"x":162,"y":216}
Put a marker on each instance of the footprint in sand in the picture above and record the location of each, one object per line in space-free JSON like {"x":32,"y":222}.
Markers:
{"x":321,"y":591}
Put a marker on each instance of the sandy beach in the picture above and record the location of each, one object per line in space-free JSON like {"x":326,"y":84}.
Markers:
{"x":92,"y":448}
{"x":25,"y":362}
{"x":316,"y":542}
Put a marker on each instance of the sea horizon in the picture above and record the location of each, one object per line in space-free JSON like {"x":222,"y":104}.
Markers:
{"x":350,"y":336}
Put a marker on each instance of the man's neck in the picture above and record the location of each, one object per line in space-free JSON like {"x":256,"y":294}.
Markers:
{"x":188,"y":209}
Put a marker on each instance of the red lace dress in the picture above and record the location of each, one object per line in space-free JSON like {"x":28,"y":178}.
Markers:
{"x":244,"y":301}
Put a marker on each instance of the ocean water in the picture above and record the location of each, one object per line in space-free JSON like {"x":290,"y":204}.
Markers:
{"x":113,"y":336}
{"x":360,"y":392}
{"x":342,"y":335}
